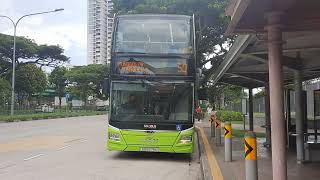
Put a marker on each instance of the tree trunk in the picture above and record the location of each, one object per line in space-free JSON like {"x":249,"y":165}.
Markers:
{"x":29,"y":100}
{"x":84,"y":99}
{"x":60,"y":102}
{"x":222,"y":101}
{"x":85,"y":104}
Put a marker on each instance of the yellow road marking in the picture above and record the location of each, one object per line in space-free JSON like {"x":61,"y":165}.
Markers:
{"x":214,"y":166}
{"x":33,"y":143}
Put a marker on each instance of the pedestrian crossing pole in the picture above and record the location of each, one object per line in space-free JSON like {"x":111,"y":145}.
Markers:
{"x":250,"y":148}
{"x":227,"y":142}
{"x":218,"y":130}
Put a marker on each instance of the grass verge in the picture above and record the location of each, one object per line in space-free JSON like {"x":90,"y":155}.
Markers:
{"x":258,"y":115}
{"x":240,"y":133}
{"x":38,"y":116}
{"x":237,"y":122}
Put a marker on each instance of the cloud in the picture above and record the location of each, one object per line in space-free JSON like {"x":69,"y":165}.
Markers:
{"x":72,"y":37}
{"x":208,"y":65}
{"x":6,"y":7}
{"x":64,"y":35}
{"x":35,"y":20}
{"x":67,"y":28}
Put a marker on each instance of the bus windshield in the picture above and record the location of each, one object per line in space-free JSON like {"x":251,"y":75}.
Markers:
{"x":152,"y":102}
{"x":153,"y":35}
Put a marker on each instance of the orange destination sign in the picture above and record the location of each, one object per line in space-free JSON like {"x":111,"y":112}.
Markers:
{"x":132,"y":66}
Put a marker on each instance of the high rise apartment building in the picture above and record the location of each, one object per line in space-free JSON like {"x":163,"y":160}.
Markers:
{"x":99,"y":31}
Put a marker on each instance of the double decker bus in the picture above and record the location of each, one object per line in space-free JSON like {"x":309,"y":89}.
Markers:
{"x":152,"y":84}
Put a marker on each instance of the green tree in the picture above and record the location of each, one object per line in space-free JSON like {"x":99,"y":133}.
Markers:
{"x":230,"y":95}
{"x":87,"y":81}
{"x":59,"y":80}
{"x":30,"y":79}
{"x":215,"y":93}
{"x":260,"y":94}
{"x":233,"y":94}
{"x":5,"y":90}
{"x":28,"y":52}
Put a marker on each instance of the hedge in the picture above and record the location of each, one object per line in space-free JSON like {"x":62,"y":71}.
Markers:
{"x":229,"y":116}
{"x":203,"y":107}
{"x":27,"y":117}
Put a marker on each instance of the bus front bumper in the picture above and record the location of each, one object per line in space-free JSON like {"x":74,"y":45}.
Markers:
{"x":143,"y":148}
{"x":181,"y":143}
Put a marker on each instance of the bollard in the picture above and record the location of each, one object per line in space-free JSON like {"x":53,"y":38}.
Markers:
{"x":218,"y":130}
{"x":250,"y":148}
{"x":213,"y":128}
{"x":227,"y":142}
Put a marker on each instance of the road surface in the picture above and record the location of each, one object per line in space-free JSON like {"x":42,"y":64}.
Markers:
{"x":74,"y":148}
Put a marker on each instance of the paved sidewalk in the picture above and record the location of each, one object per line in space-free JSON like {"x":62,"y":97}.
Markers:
{"x":235,"y":170}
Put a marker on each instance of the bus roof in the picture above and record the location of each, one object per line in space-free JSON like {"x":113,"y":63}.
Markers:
{"x":154,"y":15}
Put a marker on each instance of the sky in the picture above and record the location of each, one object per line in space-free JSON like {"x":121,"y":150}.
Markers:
{"x":66,"y":28}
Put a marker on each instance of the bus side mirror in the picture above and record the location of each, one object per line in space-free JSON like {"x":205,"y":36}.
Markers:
{"x":106,"y":85}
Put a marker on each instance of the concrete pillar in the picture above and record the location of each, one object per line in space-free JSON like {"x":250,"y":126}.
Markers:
{"x":299,"y":116}
{"x":267,"y":116}
{"x":279,"y":160}
{"x":250,"y":110}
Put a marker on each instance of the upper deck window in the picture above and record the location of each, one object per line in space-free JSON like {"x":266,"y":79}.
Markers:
{"x":153,"y":35}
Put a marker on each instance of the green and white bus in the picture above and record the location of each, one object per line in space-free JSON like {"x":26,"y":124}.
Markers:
{"x":152,"y":84}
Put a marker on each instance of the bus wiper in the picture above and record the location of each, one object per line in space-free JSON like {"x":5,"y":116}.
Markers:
{"x":150,"y":81}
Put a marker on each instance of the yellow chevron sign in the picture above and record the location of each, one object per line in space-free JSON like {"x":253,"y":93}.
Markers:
{"x":250,"y":148}
{"x":227,"y":131}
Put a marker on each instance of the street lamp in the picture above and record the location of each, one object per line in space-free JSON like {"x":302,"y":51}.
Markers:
{"x":15,"y":24}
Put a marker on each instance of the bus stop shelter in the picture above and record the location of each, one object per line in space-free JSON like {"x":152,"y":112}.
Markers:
{"x":278,"y":43}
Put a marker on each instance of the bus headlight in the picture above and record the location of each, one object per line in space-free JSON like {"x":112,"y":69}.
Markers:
{"x":114,"y":136}
{"x":185,"y":139}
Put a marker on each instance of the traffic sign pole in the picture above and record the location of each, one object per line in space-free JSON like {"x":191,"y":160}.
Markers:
{"x":227,"y":142}
{"x":250,"y":148}
{"x":213,"y":128}
{"x":218,"y":130}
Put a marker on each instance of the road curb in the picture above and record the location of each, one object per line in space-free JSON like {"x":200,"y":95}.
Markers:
{"x":205,"y":175}
{"x":210,"y":169}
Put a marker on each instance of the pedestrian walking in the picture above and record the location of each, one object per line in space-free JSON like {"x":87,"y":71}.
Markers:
{"x":198,"y":113}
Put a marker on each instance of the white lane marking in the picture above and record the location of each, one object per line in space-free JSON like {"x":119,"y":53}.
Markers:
{"x":80,"y":140}
{"x":76,"y":140}
{"x":73,"y":140}
{"x":63,"y":147}
{"x":6,"y":166}
{"x":83,"y":140}
{"x":32,"y":157}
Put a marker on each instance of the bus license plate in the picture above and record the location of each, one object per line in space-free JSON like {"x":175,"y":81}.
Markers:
{"x":149,"y":149}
